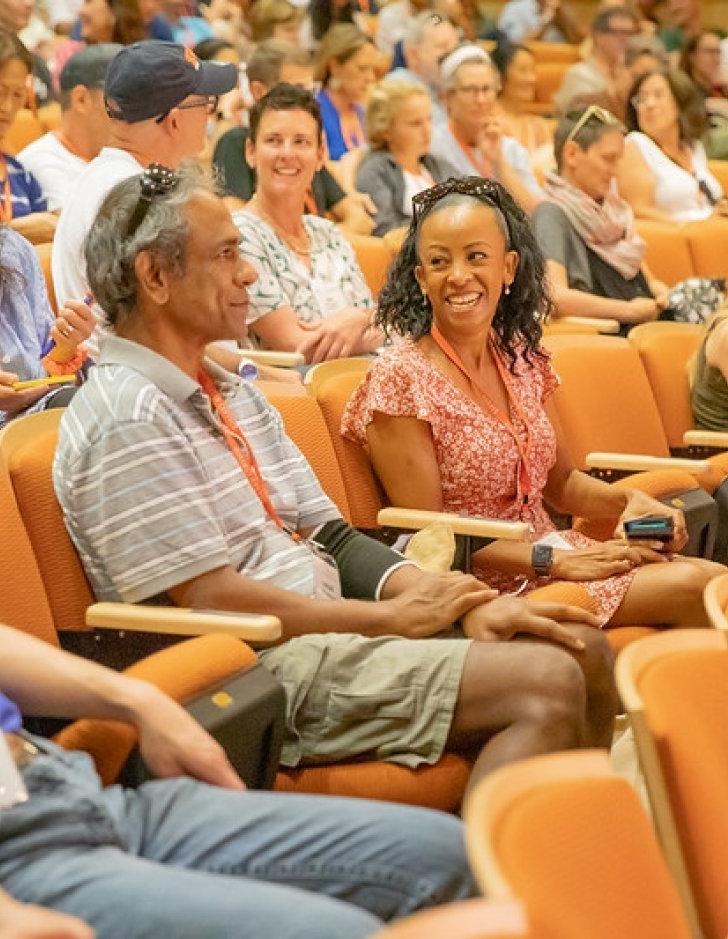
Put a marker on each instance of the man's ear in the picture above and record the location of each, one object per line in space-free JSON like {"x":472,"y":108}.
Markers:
{"x":79,"y":97}
{"x":257,"y":89}
{"x":153,"y":279}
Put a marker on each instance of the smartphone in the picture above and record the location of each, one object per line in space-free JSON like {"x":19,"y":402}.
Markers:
{"x":650,"y":528}
{"x":12,"y":787}
{"x":40,"y":382}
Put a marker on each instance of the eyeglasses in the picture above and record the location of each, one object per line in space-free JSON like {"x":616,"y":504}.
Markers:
{"x":593,"y":112}
{"x":622,"y":33}
{"x":209,"y":102}
{"x":640,"y":100}
{"x":488,"y":191}
{"x":472,"y":91}
{"x":156,"y":180}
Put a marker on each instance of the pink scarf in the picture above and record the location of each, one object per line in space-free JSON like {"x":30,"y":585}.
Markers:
{"x":606,"y":228}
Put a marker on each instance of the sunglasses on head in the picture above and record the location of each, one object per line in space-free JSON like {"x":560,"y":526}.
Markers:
{"x":593,"y":112}
{"x":156,"y":180}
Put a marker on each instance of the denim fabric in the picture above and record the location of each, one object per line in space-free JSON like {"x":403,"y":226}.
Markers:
{"x":181,"y":859}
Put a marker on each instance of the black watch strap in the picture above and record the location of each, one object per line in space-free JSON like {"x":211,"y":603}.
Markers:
{"x":542,"y":558}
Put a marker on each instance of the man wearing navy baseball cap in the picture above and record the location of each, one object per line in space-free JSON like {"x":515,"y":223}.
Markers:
{"x":158,"y":96}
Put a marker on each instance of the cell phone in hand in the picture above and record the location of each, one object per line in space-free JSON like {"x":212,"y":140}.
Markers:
{"x":650,"y":528}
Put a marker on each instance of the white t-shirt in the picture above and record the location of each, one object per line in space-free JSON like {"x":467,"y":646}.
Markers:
{"x":54,"y":166}
{"x":94,"y":183}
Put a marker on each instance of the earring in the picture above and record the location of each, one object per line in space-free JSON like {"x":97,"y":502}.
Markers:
{"x":507,"y":290}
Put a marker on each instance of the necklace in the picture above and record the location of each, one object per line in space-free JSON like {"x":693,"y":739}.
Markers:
{"x":299,"y":244}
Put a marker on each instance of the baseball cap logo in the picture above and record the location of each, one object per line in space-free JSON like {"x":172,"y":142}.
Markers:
{"x":191,"y":58}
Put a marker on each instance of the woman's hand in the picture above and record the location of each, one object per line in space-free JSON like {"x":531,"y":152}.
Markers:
{"x":640,"y":504}
{"x":607,"y":559}
{"x":13,"y":402}
{"x":639,"y":310}
{"x":502,"y":618}
{"x":74,"y":324}
{"x":336,"y":336}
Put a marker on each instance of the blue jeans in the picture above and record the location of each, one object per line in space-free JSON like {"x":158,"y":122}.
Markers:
{"x":181,"y":859}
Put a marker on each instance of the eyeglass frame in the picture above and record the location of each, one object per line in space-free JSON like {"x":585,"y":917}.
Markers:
{"x":593,"y":111}
{"x":208,"y":101}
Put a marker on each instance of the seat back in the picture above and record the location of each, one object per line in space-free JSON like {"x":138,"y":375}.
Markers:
{"x":318,"y":374}
{"x":719,"y":169}
{"x":365,"y":494}
{"x":665,"y":350}
{"x":605,"y":401}
{"x":668,"y":253}
{"x":549,"y":78}
{"x":554,"y":51}
{"x":706,"y":241}
{"x":27,"y":446}
{"x":44,"y":250}
{"x":373,"y":257}
{"x":675,"y":688}
{"x":306,"y":427}
{"x":568,"y":837}
{"x":26,"y":128}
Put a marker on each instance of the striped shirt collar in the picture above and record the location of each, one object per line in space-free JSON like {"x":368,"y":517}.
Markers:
{"x":160,"y":371}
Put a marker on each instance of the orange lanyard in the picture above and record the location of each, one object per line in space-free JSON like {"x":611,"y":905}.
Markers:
{"x":484,"y":167}
{"x":242,"y":451}
{"x":7,"y":208}
{"x":309,"y":203}
{"x":524,"y":473}
{"x":351,"y":129}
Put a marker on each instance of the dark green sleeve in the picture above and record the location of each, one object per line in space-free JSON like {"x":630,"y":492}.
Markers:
{"x":236,"y":176}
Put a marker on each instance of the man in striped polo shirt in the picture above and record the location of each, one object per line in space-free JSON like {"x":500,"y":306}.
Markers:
{"x":178,"y":482}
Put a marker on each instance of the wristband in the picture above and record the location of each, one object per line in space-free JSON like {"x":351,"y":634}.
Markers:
{"x":64,"y":368}
{"x":247,"y":370}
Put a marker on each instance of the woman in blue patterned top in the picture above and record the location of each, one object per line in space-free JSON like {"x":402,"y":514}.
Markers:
{"x":310,"y":295}
{"x":22,"y":203}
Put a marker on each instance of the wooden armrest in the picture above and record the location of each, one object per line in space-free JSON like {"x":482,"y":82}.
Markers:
{"x":637,"y":463}
{"x":611,"y":327}
{"x":415,"y":519}
{"x":177,"y":621}
{"x":706,"y":438}
{"x":271,"y":357}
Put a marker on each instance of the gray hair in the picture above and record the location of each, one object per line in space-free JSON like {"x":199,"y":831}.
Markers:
{"x":645,"y":45}
{"x":110,"y":254}
{"x":418,"y":26}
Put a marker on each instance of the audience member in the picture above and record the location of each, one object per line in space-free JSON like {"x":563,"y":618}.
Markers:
{"x":643,"y":54}
{"x":664,"y":174}
{"x":517,"y":69}
{"x":345,"y":68}
{"x":191,"y":853}
{"x":399,"y":164}
{"x":15,"y":16}
{"x":222,"y":522}
{"x":683,"y":21}
{"x":158,"y":97}
{"x":474,"y":141}
{"x":709,"y":388}
{"x":310,"y":295}
{"x":33,"y":343}
{"x":701,"y":61}
{"x":57,"y":158}
{"x":603,"y":73}
{"x":23,"y":205}
{"x":594,"y":257}
{"x":276,"y":61}
{"x":155,"y":24}
{"x":456,"y":417}
{"x":323,"y":14}
{"x":275,"y":19}
{"x":394,"y":19}
{"x":429,"y":38}
{"x":186,"y":29}
{"x":545,"y":20}
{"x":119,"y":21}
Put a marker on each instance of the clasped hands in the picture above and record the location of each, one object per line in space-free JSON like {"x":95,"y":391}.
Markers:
{"x":347,"y":332}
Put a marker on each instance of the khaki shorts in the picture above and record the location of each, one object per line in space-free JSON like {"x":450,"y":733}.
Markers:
{"x":349,"y":697}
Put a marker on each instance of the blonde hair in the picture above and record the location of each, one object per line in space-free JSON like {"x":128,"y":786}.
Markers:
{"x":386,"y":99}
{"x":720,"y":316}
{"x":340,"y":42}
{"x":265,"y":15}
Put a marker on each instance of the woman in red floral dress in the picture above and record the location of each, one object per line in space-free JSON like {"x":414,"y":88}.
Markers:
{"x":456,"y":415}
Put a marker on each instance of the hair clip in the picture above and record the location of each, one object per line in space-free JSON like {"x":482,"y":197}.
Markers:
{"x":486,"y":190}
{"x":156,"y":180}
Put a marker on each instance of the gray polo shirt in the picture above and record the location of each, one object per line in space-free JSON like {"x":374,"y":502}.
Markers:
{"x":153,"y":497}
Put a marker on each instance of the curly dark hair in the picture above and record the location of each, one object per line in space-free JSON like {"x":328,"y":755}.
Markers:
{"x":518,"y":319}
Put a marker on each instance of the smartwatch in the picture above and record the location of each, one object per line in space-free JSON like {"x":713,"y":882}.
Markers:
{"x":247,"y":370}
{"x":542,"y":558}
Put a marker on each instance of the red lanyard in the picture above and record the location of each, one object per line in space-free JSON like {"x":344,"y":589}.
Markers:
{"x":524,"y":473}
{"x":242,"y":451}
{"x":484,"y":167}
{"x":351,"y":129}
{"x":7,"y":208}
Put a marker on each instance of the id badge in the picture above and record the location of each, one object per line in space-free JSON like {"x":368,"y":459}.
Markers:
{"x":327,"y":583}
{"x":12,"y":787}
{"x":329,"y":298}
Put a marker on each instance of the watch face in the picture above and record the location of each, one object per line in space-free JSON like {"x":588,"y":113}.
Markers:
{"x":542,"y":558}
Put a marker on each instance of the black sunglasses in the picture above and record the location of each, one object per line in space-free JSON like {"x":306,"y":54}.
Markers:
{"x":156,"y":180}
